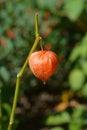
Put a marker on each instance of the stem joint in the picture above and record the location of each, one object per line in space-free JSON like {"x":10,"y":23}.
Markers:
{"x":18,"y":75}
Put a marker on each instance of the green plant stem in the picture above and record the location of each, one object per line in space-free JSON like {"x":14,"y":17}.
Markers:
{"x":0,"y":111}
{"x":20,"y":74}
{"x":36,"y":25}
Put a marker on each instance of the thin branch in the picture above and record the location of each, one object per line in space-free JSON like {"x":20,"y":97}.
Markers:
{"x":14,"y":103}
{"x":20,"y":74}
{"x":36,"y":25}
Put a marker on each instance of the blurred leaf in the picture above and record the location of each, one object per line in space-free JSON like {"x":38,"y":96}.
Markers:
{"x":75,"y":54}
{"x":80,"y":50}
{"x":4,"y":73}
{"x":83,"y":51}
{"x":84,"y":90}
{"x":58,"y":119}
{"x":9,"y":46}
{"x":78,"y":112}
{"x":76,"y":79}
{"x":7,"y":108}
{"x":77,"y":120}
{"x":1,"y":84}
{"x":84,"y":67}
{"x":47,"y":4}
{"x":74,"y":8}
{"x":6,"y":48}
{"x":75,"y":125}
{"x":84,"y":40}
{"x":57,"y":128}
{"x":9,"y":7}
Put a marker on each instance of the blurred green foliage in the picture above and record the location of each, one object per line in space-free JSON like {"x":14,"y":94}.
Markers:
{"x":63,"y":27}
{"x":78,"y":75}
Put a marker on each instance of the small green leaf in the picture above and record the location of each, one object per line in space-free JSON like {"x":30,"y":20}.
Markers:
{"x":6,"y":49}
{"x":84,"y":90}
{"x":74,"y":8}
{"x":76,"y":79}
{"x":84,"y":40}
{"x":80,"y":50}
{"x":75,"y":125}
{"x":58,"y":119}
{"x":83,"y":47}
{"x":78,"y":111}
{"x":83,"y":51}
{"x":77,"y":120}
{"x":57,"y":128}
{"x":75,"y":54}
{"x":9,"y":45}
{"x":4,"y":73}
{"x":84,"y":67}
{"x":7,"y":108}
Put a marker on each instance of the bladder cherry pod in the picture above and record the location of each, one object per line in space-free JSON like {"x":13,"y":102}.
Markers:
{"x":43,"y":63}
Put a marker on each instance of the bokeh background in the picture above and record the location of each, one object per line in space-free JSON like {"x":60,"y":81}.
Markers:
{"x":61,"y":104}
